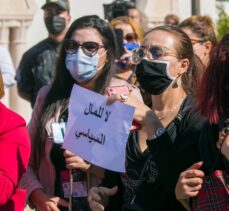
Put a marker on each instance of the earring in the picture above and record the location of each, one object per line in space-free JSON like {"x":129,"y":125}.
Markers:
{"x":177,"y":82}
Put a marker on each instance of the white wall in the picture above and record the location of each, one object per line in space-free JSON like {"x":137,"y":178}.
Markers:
{"x":37,"y":30}
{"x":184,"y":9}
{"x":208,"y":7}
{"x":79,"y":8}
{"x":225,"y":6}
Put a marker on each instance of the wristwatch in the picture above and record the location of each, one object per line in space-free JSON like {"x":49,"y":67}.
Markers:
{"x":158,"y":133}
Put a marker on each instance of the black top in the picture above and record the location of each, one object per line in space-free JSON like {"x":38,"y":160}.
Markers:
{"x":62,"y":180}
{"x":37,"y":67}
{"x":171,"y":153}
{"x":208,"y":150}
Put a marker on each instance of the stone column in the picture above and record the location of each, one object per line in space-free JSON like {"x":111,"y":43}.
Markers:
{"x":15,"y":17}
{"x":4,"y":33}
{"x":17,"y":48}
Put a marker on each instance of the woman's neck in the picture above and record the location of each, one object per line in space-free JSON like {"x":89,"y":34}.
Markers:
{"x":168,"y":99}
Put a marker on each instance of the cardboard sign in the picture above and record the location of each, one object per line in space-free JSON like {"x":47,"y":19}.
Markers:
{"x":98,"y":132}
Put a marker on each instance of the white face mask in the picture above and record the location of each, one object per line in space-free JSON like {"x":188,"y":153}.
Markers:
{"x":82,"y":67}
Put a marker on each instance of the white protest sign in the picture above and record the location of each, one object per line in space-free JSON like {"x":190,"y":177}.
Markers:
{"x":98,"y":132}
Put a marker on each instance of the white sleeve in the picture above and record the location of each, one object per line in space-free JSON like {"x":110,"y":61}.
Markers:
{"x":7,"y":67}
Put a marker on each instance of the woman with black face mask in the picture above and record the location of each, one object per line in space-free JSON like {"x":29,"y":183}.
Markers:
{"x":168,"y":70}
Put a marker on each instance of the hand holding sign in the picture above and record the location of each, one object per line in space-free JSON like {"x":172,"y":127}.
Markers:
{"x":96,"y":131}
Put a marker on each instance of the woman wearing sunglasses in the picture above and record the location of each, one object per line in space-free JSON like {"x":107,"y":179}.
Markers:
{"x":130,"y":38}
{"x":87,"y":58}
{"x":201,"y":31}
{"x":167,"y":69}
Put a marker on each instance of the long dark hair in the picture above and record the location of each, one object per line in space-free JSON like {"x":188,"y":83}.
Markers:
{"x":191,"y":78}
{"x":214,"y":89}
{"x":61,"y":87}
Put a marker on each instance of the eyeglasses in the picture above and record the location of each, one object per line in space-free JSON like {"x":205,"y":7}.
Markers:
{"x":194,"y":41}
{"x":153,"y":53}
{"x":89,"y":48}
{"x":130,"y":37}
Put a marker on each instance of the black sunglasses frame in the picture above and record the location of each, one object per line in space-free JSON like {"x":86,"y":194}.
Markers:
{"x":75,"y":47}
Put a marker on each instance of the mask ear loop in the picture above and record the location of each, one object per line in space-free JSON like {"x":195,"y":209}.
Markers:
{"x":168,"y":73}
{"x":167,"y":68}
{"x":100,"y":56}
{"x":103,"y":53}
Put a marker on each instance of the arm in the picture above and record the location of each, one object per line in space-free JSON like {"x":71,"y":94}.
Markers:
{"x":14,"y":154}
{"x":75,"y":162}
{"x":36,"y":193}
{"x":171,"y":158}
{"x":7,"y":188}
{"x":47,"y":202}
{"x":98,"y":197}
{"x":29,"y":181}
{"x":24,"y":77}
{"x":189,"y":184}
{"x":108,"y":194}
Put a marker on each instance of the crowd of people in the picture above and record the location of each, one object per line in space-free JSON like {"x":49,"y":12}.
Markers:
{"x":178,"y":80}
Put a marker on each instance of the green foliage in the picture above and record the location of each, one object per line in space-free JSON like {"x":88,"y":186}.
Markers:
{"x":222,"y":23}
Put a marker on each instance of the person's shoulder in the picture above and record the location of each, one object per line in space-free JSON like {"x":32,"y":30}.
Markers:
{"x":44,"y":90}
{"x":191,"y":113}
{"x":36,"y":49}
{"x":41,"y":96}
{"x":9,"y":120}
{"x":189,"y":105}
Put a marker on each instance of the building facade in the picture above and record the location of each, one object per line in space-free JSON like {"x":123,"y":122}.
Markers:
{"x":22,"y":26}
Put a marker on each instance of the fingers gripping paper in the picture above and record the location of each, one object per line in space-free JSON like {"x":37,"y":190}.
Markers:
{"x":98,"y":132}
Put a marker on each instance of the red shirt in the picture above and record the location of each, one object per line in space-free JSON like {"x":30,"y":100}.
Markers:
{"x":14,"y":156}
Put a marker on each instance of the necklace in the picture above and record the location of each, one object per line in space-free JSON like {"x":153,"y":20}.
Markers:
{"x":172,"y":109}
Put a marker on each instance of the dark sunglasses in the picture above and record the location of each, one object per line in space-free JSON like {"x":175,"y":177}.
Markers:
{"x":153,"y":53}
{"x":89,"y":48}
{"x":130,"y":37}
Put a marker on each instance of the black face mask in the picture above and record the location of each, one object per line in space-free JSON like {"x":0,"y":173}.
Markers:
{"x":55,"y":24}
{"x":153,"y":76}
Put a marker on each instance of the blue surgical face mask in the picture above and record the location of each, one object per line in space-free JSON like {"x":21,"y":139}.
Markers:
{"x":130,"y":46}
{"x":82,"y":67}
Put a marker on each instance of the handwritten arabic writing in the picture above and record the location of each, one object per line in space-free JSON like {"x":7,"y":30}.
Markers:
{"x":91,"y":137}
{"x":96,"y":130}
{"x":97,"y":112}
